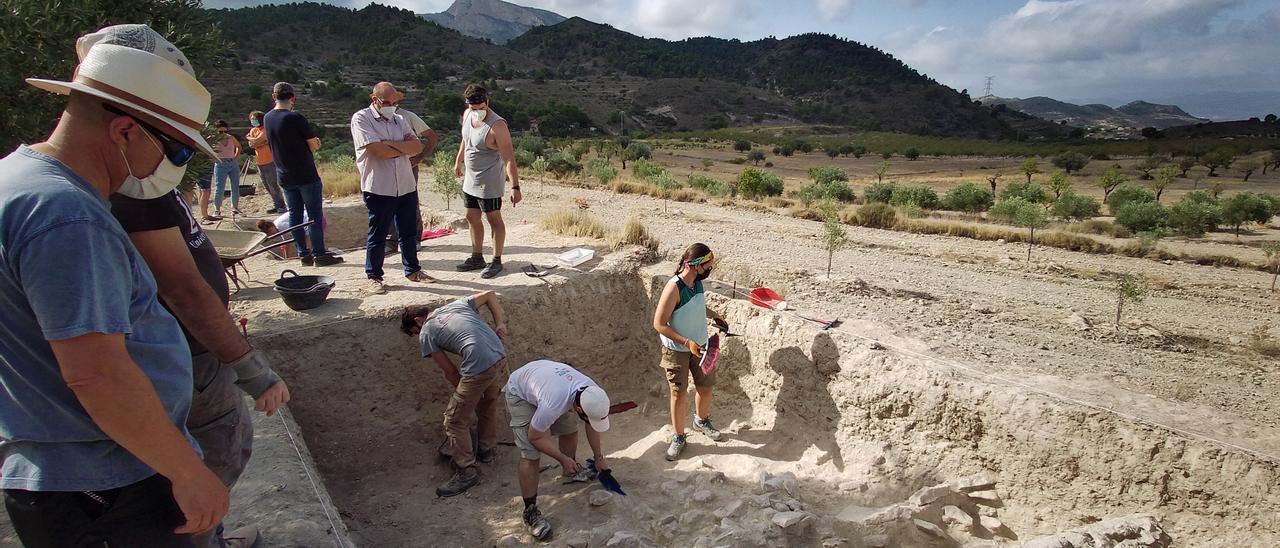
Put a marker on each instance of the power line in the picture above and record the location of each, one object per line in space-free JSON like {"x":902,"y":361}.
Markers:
{"x":990,"y":81}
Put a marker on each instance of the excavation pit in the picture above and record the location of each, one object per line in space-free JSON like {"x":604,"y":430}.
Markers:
{"x":830,"y":440}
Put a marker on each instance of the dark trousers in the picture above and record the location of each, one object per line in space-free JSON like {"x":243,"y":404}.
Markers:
{"x":308,"y":198}
{"x":142,"y":514}
{"x":383,"y":210}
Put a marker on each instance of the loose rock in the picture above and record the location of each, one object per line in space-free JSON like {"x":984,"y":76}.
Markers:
{"x":787,"y":519}
{"x":600,"y":497}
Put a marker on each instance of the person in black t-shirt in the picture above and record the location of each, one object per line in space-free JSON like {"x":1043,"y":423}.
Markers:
{"x":292,"y":142}
{"x":193,"y":287}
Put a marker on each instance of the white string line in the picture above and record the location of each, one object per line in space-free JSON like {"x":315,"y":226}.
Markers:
{"x":315,"y":487}
{"x":1185,"y":434}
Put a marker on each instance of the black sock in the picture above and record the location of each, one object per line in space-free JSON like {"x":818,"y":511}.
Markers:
{"x":530,"y":502}
{"x":497,"y":259}
{"x":477,"y":256}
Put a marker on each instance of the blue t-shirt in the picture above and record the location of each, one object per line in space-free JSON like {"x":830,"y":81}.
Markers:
{"x":67,"y":269}
{"x":287,"y":135}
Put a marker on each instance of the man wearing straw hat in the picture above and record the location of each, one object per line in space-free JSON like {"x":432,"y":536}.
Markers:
{"x":96,"y":380}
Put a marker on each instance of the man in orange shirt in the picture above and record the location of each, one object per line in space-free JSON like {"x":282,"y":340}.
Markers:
{"x":266,"y":167}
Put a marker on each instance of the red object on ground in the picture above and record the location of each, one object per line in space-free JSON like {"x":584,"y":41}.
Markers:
{"x":440,"y":232}
{"x":766,"y":298}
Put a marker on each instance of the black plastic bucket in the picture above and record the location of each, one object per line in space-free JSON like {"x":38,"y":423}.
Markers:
{"x":303,"y":292}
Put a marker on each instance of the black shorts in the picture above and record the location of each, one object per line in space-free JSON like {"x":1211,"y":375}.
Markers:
{"x":483,"y":204}
{"x":204,"y":183}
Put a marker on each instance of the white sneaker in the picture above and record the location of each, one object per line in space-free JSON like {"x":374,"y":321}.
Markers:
{"x":706,"y":428}
{"x":676,"y":447}
{"x":375,"y":287}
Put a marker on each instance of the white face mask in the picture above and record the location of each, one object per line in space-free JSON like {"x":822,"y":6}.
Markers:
{"x":162,"y":181}
{"x":479,"y":115}
{"x":387,"y":111}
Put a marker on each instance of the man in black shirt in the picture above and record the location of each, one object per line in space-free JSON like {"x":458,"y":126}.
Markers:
{"x":193,"y":287}
{"x":292,"y":142}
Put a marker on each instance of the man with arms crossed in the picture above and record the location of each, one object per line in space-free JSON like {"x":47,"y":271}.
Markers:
{"x":543,"y":397}
{"x":96,"y":382}
{"x":484,"y":154}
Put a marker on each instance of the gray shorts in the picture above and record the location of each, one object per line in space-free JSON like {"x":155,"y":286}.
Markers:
{"x":522,"y":412}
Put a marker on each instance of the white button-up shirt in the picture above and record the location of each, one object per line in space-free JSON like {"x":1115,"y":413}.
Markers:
{"x":381,"y":176}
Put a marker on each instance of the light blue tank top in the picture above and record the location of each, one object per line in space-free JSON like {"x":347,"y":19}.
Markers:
{"x":690,"y":316}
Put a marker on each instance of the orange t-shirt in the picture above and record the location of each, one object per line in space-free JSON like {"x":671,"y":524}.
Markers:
{"x":262,"y":153}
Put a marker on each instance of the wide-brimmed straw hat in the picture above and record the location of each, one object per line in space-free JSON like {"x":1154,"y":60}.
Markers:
{"x":135,"y":69}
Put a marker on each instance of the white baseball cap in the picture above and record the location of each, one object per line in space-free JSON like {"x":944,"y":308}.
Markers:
{"x":595,"y":403}
{"x":134,"y":68}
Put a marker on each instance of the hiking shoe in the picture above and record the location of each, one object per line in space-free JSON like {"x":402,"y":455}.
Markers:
{"x":584,"y":475}
{"x":677,"y":447}
{"x":420,"y":277}
{"x":706,"y":428}
{"x":244,"y":537}
{"x":461,"y":481}
{"x":375,"y":287}
{"x":486,"y":457}
{"x":494,"y":269}
{"x":308,"y":260}
{"x":472,"y":263}
{"x":538,"y":525}
{"x":328,"y":259}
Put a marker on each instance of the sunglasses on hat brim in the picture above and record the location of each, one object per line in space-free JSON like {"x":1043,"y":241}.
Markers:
{"x":178,"y":153}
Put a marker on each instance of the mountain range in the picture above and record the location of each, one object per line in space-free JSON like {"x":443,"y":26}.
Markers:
{"x":1100,"y":120}
{"x":492,"y":20}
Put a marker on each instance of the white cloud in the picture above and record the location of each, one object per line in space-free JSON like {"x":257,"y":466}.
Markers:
{"x":830,"y":9}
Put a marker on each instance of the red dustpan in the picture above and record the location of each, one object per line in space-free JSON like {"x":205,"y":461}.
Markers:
{"x":768,"y":298}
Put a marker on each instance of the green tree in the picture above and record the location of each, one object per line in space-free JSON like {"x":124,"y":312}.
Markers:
{"x":1247,"y":167}
{"x":1185,"y":164}
{"x":1031,"y":192}
{"x":1128,"y":194}
{"x":1141,"y":216}
{"x":1163,"y":179}
{"x":832,"y":152}
{"x":1218,"y":158}
{"x":443,"y":179}
{"x":1070,"y":161}
{"x":1243,"y":208}
{"x":886,"y":155}
{"x":1029,"y":167}
{"x":847,"y":149}
{"x":1029,"y":216}
{"x":1149,"y":164}
{"x":539,"y":167}
{"x":636,"y":151}
{"x":827,"y":174}
{"x":755,"y":156}
{"x":1129,"y":288}
{"x":911,"y":153}
{"x":39,"y":38}
{"x":993,"y":180}
{"x":1110,"y":179}
{"x":1059,"y":183}
{"x":742,"y":145}
{"x":968,"y":197}
{"x":834,"y":237}
{"x":1196,"y":213}
{"x":754,"y":183}
{"x":1072,"y":207}
{"x":881,"y":172}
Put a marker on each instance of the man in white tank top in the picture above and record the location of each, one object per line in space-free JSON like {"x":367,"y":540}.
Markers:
{"x":484,"y":154}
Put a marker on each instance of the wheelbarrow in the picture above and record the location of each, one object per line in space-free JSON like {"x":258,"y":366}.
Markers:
{"x":234,"y":246}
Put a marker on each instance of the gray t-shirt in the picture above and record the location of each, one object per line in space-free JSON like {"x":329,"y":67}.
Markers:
{"x":550,"y":386}
{"x":459,"y":328}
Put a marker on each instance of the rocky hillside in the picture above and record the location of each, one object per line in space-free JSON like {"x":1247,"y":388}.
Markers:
{"x":1100,"y":120}
{"x":492,"y":20}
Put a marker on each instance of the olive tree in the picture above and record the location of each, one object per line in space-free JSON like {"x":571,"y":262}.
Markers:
{"x":1029,"y":167}
{"x":834,"y":237}
{"x":1129,"y":288}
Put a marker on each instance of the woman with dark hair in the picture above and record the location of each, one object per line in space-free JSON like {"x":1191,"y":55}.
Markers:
{"x":228,"y":148}
{"x":681,"y":322}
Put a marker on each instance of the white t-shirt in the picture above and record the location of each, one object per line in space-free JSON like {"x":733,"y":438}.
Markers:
{"x":415,"y":122}
{"x":550,"y":386}
{"x":282,"y":222}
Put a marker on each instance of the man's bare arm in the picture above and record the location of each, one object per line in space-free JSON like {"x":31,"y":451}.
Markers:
{"x":314,"y":143}
{"x":503,"y":137}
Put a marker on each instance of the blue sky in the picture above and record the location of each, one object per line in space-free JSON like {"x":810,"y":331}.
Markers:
{"x":1110,"y":51}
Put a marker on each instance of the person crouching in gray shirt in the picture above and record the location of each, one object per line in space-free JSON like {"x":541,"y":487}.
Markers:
{"x":458,"y":328}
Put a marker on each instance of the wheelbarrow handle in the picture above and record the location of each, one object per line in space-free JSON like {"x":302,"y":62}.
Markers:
{"x":269,"y":248}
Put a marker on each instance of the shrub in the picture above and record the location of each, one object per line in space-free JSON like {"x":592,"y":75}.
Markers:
{"x":755,"y":156}
{"x":1031,"y":192}
{"x":563,"y":164}
{"x":911,"y":153}
{"x":664,"y":180}
{"x":1243,"y":208}
{"x":754,"y":183}
{"x":711,"y":186}
{"x":741,"y":145}
{"x":627,"y":187}
{"x":686,"y":195}
{"x":524,"y":158}
{"x":805,"y":212}
{"x":1129,"y":194}
{"x":774,"y":201}
{"x":826,"y":174}
{"x":920,"y":196}
{"x":645,"y":169}
{"x":880,"y":192}
{"x":1101,"y":227}
{"x":876,"y":215}
{"x":633,"y":233}
{"x":534,"y":145}
{"x":1070,"y":161}
{"x":573,"y":223}
{"x":1141,"y":216}
{"x":1194,"y":215}
{"x":968,"y":197}
{"x":602,"y":171}
{"x":834,"y":190}
{"x":1073,"y":207}
{"x":1007,"y":210}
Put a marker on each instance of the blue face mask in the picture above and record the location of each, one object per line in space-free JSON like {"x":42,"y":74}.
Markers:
{"x":255,"y":123}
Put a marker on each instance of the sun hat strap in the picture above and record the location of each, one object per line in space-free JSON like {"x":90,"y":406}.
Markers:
{"x":126,"y":96}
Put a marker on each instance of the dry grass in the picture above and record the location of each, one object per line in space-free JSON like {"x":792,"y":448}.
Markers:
{"x":686,"y":195}
{"x":1261,"y":341}
{"x":432,"y":219}
{"x":753,"y":206}
{"x":628,"y":187}
{"x":339,"y":180}
{"x":805,"y":212}
{"x":1062,"y":240}
{"x":774,"y":201}
{"x":633,"y":233}
{"x":1100,"y":227}
{"x":573,"y":223}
